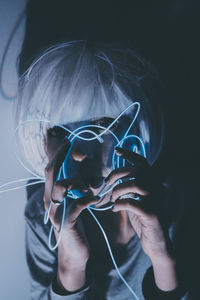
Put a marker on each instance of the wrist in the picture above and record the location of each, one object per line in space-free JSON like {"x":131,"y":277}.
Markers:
{"x":164,"y":268}
{"x":70,"y":259}
{"x":69,"y":264}
{"x":70,"y":279}
{"x":162,"y":258}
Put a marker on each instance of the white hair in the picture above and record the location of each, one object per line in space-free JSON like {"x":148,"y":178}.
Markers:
{"x":77,"y":81}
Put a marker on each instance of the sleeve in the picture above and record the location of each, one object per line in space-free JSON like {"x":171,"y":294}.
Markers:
{"x":152,"y":292}
{"x":42,"y":262}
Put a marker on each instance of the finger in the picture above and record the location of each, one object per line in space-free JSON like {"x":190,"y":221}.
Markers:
{"x":72,"y":183}
{"x":131,"y":156}
{"x":53,"y":208}
{"x":130,"y":205}
{"x":54,"y":165}
{"x":116,"y":174}
{"x":58,"y":193}
{"x":78,"y":206}
{"x":55,"y":190}
{"x":126,"y":188}
{"x":61,"y":187}
{"x":51,"y":170}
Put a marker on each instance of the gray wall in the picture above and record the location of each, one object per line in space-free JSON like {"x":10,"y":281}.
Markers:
{"x":14,"y":278}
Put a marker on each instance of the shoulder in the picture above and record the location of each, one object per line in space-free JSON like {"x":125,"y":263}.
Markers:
{"x":34,"y":210}
{"x":34,"y":206}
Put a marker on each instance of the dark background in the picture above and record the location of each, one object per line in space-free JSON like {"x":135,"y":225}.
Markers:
{"x":167,"y":34}
{"x":164,"y":32}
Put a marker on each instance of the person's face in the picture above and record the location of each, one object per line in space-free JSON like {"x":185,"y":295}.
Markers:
{"x":89,"y":161}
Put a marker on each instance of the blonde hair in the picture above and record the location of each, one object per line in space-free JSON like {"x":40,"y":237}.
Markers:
{"x":77,"y":81}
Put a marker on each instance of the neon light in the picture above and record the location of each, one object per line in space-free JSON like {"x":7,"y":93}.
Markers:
{"x":39,"y":180}
{"x":61,"y":228}
{"x":63,"y":171}
{"x":111,"y":255}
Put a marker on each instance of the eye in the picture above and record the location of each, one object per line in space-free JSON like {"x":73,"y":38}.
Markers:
{"x":57,"y":132}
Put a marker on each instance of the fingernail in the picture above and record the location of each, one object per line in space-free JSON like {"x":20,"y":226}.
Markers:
{"x":106,"y":179}
{"x":119,"y":149}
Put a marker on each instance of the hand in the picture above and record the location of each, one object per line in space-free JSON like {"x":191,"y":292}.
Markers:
{"x":73,"y":248}
{"x":141,"y":213}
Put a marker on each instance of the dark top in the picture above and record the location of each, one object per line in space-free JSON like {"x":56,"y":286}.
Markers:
{"x":103,"y":280}
{"x":49,"y":22}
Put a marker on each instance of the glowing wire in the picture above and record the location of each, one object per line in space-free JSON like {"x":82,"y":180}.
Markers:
{"x":22,"y":186}
{"x":46,"y":218}
{"x":47,"y":212}
{"x":14,"y":143}
{"x":20,"y":180}
{"x":119,"y":143}
{"x":47,"y":52}
{"x":73,"y":132}
{"x":112,"y":123}
{"x":115,"y":164}
{"x":61,"y":228}
{"x":103,"y":193}
{"x":87,"y":131}
{"x":39,"y":180}
{"x":111,"y":255}
{"x":80,"y":130}
{"x":78,"y":135}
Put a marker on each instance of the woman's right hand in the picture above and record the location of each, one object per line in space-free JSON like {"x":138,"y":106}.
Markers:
{"x":73,"y":250}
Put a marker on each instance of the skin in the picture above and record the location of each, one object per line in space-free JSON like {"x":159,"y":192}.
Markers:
{"x":73,"y":250}
{"x":146,"y":225}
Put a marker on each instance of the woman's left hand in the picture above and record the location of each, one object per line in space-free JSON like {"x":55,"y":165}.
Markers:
{"x":141,"y":213}
{"x":144,"y":214}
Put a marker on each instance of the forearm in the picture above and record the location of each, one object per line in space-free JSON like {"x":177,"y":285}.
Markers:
{"x":71,"y":274}
{"x":164,"y":272}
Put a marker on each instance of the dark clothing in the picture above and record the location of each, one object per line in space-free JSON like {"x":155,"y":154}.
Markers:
{"x":103,"y":280}
{"x":160,"y":32}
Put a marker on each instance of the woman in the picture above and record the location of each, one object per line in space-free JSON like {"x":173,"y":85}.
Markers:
{"x":78,"y":85}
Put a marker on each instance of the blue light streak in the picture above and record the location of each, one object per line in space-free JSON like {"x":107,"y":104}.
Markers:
{"x":76,"y":134}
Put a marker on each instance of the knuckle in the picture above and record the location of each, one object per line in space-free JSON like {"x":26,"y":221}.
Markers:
{"x":116,"y":194}
{"x":154,"y":218}
{"x":115,"y":191}
{"x":59,"y":189}
{"x":82,"y":203}
{"x":113,"y":178}
{"x":79,"y":206}
{"x":121,"y":187}
{"x":77,"y":209}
